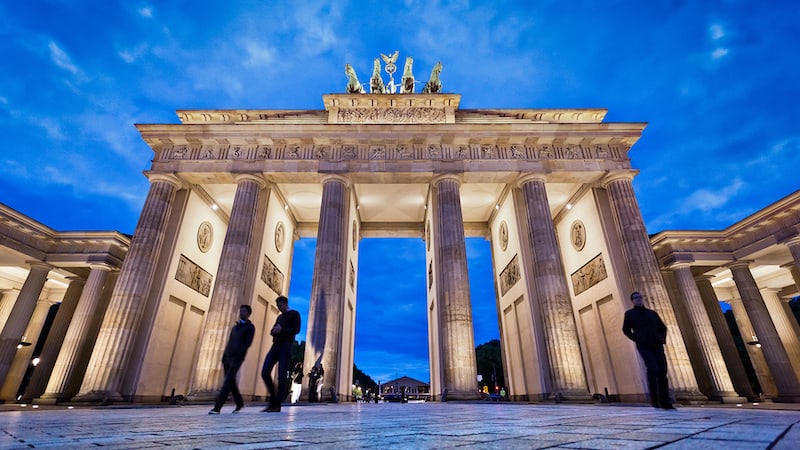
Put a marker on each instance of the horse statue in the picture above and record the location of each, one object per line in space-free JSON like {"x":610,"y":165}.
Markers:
{"x":353,"y":85}
{"x":434,"y":84}
{"x":407,"y":82}
{"x":376,"y":82}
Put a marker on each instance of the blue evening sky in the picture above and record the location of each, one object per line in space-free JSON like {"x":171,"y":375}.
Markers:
{"x":717,"y":81}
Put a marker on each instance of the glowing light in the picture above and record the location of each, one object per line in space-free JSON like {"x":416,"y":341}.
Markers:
{"x":569,"y":206}
{"x":214,"y":207}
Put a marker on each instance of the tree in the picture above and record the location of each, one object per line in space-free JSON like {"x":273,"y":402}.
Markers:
{"x":364,"y":380}
{"x":490,"y":364}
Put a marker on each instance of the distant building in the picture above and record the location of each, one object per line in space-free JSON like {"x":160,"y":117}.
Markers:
{"x":413,"y":389}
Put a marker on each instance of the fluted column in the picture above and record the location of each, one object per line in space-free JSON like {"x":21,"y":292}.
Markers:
{"x":794,"y":248}
{"x":229,"y":287}
{"x":77,"y":335}
{"x":567,"y":374}
{"x":784,"y":325}
{"x":20,"y":315}
{"x":55,"y":338}
{"x":23,"y":358}
{"x":768,"y":388}
{"x":7,"y":299}
{"x":115,"y":341}
{"x":723,"y":333}
{"x":646,"y":278}
{"x":774,"y":352}
{"x":721,"y":384}
{"x":326,"y":308}
{"x":459,"y":367}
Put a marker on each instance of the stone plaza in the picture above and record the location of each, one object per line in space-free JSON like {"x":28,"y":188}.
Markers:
{"x":482,"y":425}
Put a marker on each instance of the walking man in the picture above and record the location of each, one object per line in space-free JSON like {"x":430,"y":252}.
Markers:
{"x":645,"y":328}
{"x":287,"y":325}
{"x":239,"y":341}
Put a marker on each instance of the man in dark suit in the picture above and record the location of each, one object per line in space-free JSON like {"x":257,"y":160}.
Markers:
{"x":644,"y":327}
{"x":239,"y":341}
{"x":287,"y":325}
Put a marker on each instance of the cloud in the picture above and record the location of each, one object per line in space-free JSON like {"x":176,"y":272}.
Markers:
{"x":52,"y":127}
{"x":146,"y":11}
{"x":719,"y":53}
{"x":707,"y":199}
{"x":258,"y":55}
{"x":61,"y":59}
{"x":716,"y":31}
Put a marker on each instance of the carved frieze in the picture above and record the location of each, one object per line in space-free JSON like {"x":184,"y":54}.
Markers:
{"x":351,"y":277}
{"x":271,"y":275}
{"x":398,"y":151}
{"x":391,"y":115}
{"x":590,"y":274}
{"x":510,"y":275}
{"x":194,"y":276}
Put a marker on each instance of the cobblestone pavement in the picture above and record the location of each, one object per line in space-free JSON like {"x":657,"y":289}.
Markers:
{"x":482,"y":425}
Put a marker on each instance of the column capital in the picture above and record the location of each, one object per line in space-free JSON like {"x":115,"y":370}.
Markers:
{"x":617,"y":176}
{"x":335,"y":177}
{"x":40,"y":265}
{"x":102,"y":266}
{"x":738,"y":264}
{"x":446,"y":176}
{"x":76,"y":279}
{"x":527,"y":177}
{"x":170,"y":178}
{"x":679,"y":265}
{"x":793,"y":241}
{"x":256,"y":177}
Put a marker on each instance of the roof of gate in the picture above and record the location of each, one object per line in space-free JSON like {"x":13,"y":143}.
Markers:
{"x":391,"y":147}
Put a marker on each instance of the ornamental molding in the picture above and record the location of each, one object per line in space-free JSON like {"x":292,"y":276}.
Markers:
{"x":398,"y":151}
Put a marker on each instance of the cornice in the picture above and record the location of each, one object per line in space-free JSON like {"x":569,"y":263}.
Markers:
{"x":775,"y":224}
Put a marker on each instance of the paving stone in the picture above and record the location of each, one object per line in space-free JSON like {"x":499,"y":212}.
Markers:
{"x":418,"y":426}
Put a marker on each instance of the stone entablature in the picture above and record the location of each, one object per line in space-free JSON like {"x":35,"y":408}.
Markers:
{"x":772,"y":225}
{"x":42,"y":243}
{"x":410,"y":151}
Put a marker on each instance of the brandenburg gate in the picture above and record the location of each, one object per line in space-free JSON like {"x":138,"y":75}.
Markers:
{"x":232,"y":190}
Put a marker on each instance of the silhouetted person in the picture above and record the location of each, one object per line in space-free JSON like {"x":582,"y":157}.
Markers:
{"x":286,"y":327}
{"x":315,"y":383}
{"x":296,"y":378}
{"x":238,"y":342}
{"x":645,"y":328}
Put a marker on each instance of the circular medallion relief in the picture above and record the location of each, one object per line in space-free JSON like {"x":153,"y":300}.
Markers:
{"x":578,"y":235}
{"x":280,"y":236}
{"x":503,"y":235}
{"x":355,"y":235}
{"x":205,"y":236}
{"x":428,"y":235}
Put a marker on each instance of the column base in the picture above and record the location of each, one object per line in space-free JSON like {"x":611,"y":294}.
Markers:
{"x":460,"y":395}
{"x":731,"y":399}
{"x":98,"y":396}
{"x":45,"y":401}
{"x":571,"y":396}
{"x":202,"y":396}
{"x":788,"y":398}
{"x":690,"y":397}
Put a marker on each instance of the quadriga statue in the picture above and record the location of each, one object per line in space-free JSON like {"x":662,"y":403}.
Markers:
{"x":353,"y":85}
{"x":434,"y":84}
